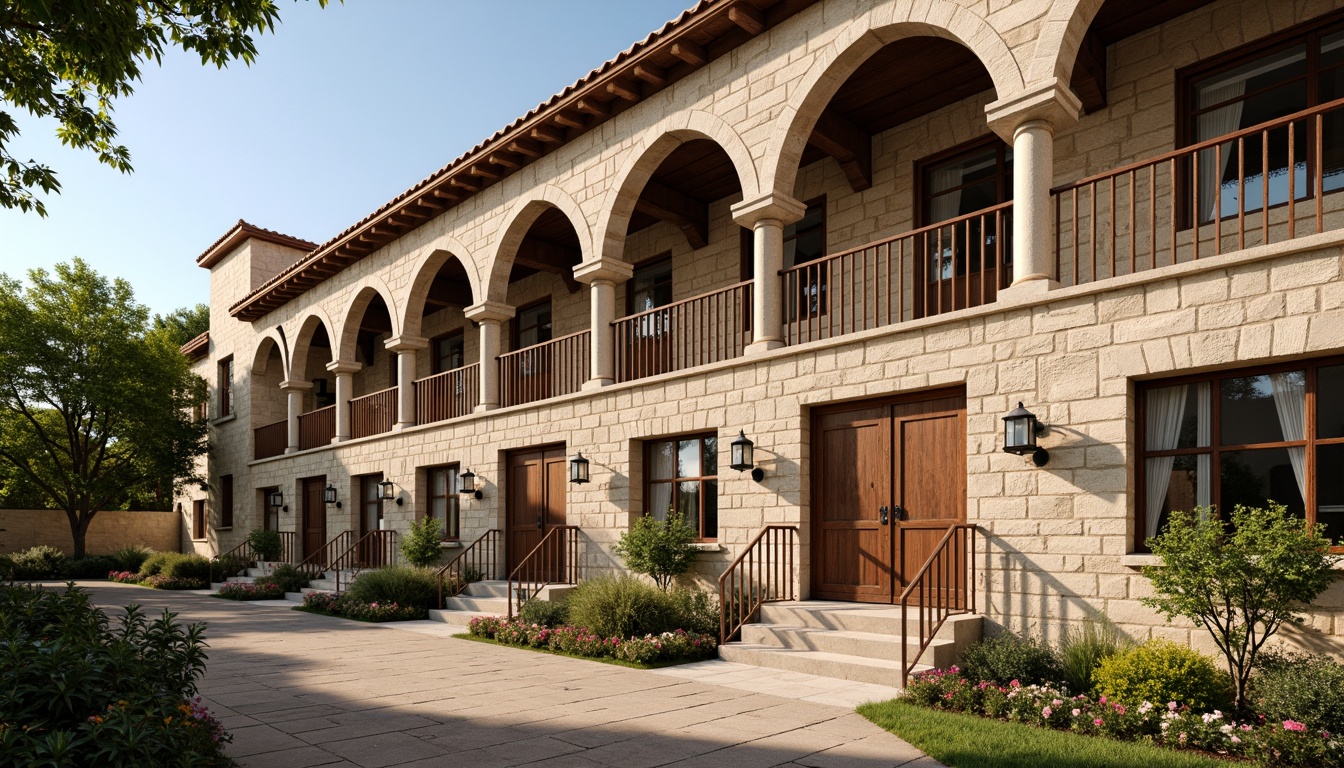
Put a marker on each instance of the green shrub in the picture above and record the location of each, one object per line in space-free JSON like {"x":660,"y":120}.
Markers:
{"x":288,"y":578}
{"x":40,"y":562}
{"x":91,"y":567}
{"x":229,"y":565}
{"x":544,"y":612}
{"x":401,"y":584}
{"x":1305,"y":688}
{"x":155,"y":562}
{"x":1083,"y":648}
{"x":131,"y":558}
{"x":627,"y":606}
{"x":6,"y":568}
{"x":266,"y":544}
{"x":1004,"y":658}
{"x":420,"y":545}
{"x":695,"y":610}
{"x":80,"y":690}
{"x":192,"y":567}
{"x":660,"y":549}
{"x":1159,"y":672}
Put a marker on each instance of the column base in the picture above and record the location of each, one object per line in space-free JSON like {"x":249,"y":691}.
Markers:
{"x":1027,"y":289}
{"x":399,"y":426}
{"x":292,"y":449}
{"x":595,"y":384}
{"x":483,"y":407}
{"x":339,"y":439}
{"x":762,"y":346}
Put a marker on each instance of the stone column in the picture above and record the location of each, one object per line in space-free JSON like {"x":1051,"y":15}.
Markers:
{"x":344,"y":371}
{"x":490,"y":315}
{"x":602,"y":276}
{"x":1029,"y":121}
{"x":294,"y":394}
{"x":767,"y":216}
{"x":406,"y":348}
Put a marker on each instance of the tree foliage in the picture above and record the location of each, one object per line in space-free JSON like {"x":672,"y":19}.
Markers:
{"x":420,"y":545}
{"x":94,"y":407}
{"x":661,"y":549}
{"x":183,"y":325}
{"x":1241,"y":579}
{"x":69,"y":59}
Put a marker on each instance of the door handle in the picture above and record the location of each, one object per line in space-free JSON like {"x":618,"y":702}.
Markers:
{"x":882,"y":515}
{"x":539,"y":524}
{"x":898,"y":512}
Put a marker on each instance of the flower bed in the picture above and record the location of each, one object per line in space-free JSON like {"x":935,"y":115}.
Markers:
{"x":124,"y":577}
{"x":346,"y":607}
{"x":577,"y":641}
{"x":263,"y":591}
{"x":1286,"y":743}
{"x":162,"y":581}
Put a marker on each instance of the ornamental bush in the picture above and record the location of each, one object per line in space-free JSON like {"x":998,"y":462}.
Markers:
{"x":124,"y":577}
{"x":288,"y":578}
{"x":348,"y":607}
{"x":265,"y":544}
{"x":1004,"y":658}
{"x":1303,"y":688}
{"x":1162,"y":672}
{"x":544,"y":612}
{"x":155,"y":562}
{"x":229,"y":565}
{"x":675,"y":645}
{"x":627,"y":606}
{"x":1083,"y":648}
{"x":254,"y":591}
{"x":192,"y":567}
{"x":40,"y":562}
{"x":164,"y":581}
{"x":404,"y":585}
{"x":131,"y":558}
{"x":89,"y":567}
{"x":420,"y":545}
{"x":660,"y":549}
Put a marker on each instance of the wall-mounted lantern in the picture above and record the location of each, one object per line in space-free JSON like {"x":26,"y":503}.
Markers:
{"x":578,"y":469}
{"x":275,"y":499}
{"x":1020,"y":429}
{"x":466,"y":485}
{"x":742,"y":456}
{"x":329,"y":495}
{"x":387,"y":491}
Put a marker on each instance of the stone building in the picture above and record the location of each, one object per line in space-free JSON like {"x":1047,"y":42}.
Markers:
{"x":859,"y":233}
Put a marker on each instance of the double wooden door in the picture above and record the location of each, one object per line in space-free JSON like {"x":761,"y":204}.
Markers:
{"x":314,"y":515}
{"x":888,"y":479}
{"x":535,"y":498}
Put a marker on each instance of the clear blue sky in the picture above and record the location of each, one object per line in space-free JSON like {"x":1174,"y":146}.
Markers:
{"x":344,"y":109}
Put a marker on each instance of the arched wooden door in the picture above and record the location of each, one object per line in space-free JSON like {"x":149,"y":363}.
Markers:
{"x":534,"y":498}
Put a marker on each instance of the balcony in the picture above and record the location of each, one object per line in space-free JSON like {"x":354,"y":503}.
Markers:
{"x":317,"y":428}
{"x":697,"y":331}
{"x":550,"y":369}
{"x":270,"y":440}
{"x":447,"y":395}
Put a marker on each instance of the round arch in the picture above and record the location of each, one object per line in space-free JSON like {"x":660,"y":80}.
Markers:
{"x":649,"y":153}
{"x":364,"y":291}
{"x":519,"y":220}
{"x":303,"y":338}
{"x":271,"y":339}
{"x":861,"y":38}
{"x":426,"y":265}
{"x":1062,"y":33}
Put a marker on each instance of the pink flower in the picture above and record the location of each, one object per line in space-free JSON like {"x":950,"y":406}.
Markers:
{"x":1293,"y":725}
{"x":1097,"y":721}
{"x":1171,"y":705}
{"x":1235,"y":740}
{"x":1014,"y":684}
{"x":1077,"y":712}
{"x":1102,"y":700}
{"x":1046,"y":712}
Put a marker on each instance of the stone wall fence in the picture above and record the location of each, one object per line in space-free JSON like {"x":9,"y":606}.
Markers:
{"x":110,"y":530}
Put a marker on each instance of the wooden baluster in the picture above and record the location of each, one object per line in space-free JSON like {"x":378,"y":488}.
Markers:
{"x":1217,"y":199}
{"x":1197,"y":212}
{"x":1292,"y":183}
{"x":1132,"y":252}
{"x":1172,"y":198}
{"x":1241,"y":193}
{"x":1152,"y":214}
{"x":1317,"y":166}
{"x":1264,"y":187}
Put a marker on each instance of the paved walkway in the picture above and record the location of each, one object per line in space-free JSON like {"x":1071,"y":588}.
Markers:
{"x":300,"y":690}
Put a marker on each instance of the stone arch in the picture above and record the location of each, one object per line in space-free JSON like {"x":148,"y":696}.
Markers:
{"x":426,"y":265}
{"x":270,"y":339}
{"x":364,"y":291}
{"x":519,"y":220}
{"x":648,"y":154}
{"x":1062,"y":33}
{"x":303,"y":337}
{"x":857,"y":40}
{"x":270,"y":367}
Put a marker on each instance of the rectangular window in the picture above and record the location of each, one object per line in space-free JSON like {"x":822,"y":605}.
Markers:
{"x":443,"y":499}
{"x":370,"y":506}
{"x":1244,"y":437}
{"x":225,"y":387}
{"x":270,"y":520}
{"x":961,"y":181}
{"x":198,"y":519}
{"x":651,"y":285}
{"x":448,"y":352}
{"x":532,"y":325}
{"x":680,"y":475}
{"x":226,"y":501}
{"x":392,"y":369}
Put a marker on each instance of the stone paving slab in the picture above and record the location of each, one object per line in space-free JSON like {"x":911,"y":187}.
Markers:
{"x":302,"y":690}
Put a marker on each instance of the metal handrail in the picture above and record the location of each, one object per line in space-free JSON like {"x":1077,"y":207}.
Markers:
{"x":754,"y":579}
{"x":357,"y":559}
{"x":555,"y":560}
{"x":944,"y":573}
{"x":482,"y":551}
{"x":315,"y":564}
{"x":244,"y":550}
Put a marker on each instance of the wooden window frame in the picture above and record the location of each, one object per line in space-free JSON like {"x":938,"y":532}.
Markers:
{"x":226,"y":502}
{"x":1004,"y":181}
{"x":370,"y":480}
{"x":267,"y":511}
{"x":665,"y":256}
{"x":198,"y":520}
{"x":435,"y":364}
{"x":452,"y":500}
{"x":515,"y":326}
{"x":1215,"y":450}
{"x":225,"y":371}
{"x":649,"y":481}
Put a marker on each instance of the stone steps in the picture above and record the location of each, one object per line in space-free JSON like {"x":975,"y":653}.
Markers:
{"x":488,"y":598}
{"x":835,"y":665}
{"x":869,"y":645}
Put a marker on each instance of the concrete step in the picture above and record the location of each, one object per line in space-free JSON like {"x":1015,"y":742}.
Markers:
{"x":242,"y":579}
{"x":259,"y":572}
{"x":836,"y":665}
{"x":492,"y":606}
{"x":869,"y":645}
{"x":322,"y":585}
{"x":457,"y":618}
{"x":492,"y":588}
{"x":962,"y":629}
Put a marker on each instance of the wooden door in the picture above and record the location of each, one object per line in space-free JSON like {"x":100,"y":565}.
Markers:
{"x":888,"y":479}
{"x":534,"y":498}
{"x":314,"y":515}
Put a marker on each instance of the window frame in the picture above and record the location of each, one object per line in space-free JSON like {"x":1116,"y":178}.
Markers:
{"x":516,"y":329}
{"x":1003,"y":190}
{"x":436,"y":360}
{"x":452,"y":500}
{"x":269,"y":513}
{"x":225,"y":373}
{"x":649,"y":481}
{"x":1310,"y":442}
{"x":225,"y":502}
{"x":366,"y":504}
{"x":652,"y":261}
{"x":199,"y":529}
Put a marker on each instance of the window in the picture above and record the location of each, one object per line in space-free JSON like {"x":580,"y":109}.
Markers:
{"x":225,"y":387}
{"x":370,"y":506}
{"x":651,"y":285}
{"x":448,"y":352}
{"x":965,"y":179}
{"x":1244,"y":437}
{"x":198,"y":519}
{"x":443,"y":499}
{"x":533,"y":325}
{"x":680,"y":475}
{"x":270,"y":519}
{"x":226,"y":501}
{"x":1255,"y":84}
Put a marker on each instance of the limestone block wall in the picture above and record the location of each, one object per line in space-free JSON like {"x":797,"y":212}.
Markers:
{"x":109,"y":531}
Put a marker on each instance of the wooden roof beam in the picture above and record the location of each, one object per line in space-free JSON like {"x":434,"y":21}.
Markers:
{"x":624,"y":90}
{"x":482,"y":170}
{"x":444,"y":195}
{"x":594,"y":107}
{"x":1089,"y":73}
{"x":678,"y":208}
{"x":525,"y":147}
{"x":568,"y":120}
{"x":461,"y":183}
{"x":547,"y":134}
{"x":651,"y":74}
{"x":749,"y":19}
{"x":691,"y":53}
{"x":849,"y":144}
{"x":505,"y":160}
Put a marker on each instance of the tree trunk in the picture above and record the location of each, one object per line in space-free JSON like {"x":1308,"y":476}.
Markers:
{"x":79,"y":528}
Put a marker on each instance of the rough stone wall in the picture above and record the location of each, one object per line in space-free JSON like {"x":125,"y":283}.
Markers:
{"x":109,"y":531}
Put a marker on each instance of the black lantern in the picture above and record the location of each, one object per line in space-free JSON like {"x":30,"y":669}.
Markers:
{"x":1020,"y":428}
{"x":275,"y":499}
{"x":578,"y":469}
{"x":329,"y":495}
{"x":742,"y":456}
{"x":466,"y":485}
{"x":387,"y":491}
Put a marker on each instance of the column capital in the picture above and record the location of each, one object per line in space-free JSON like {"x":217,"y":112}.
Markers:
{"x":344,"y":366}
{"x":297,"y":386}
{"x":770,"y":206}
{"x":406,"y":343}
{"x":489,"y":311}
{"x":1049,"y":101}
{"x":603,"y":270}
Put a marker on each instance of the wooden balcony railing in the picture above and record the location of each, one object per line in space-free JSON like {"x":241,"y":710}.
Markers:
{"x":555,"y":560}
{"x":943,"y":587}
{"x":696,"y":331}
{"x":447,"y":395}
{"x":270,"y":440}
{"x":954,"y":264}
{"x":550,"y":369}
{"x":375,"y":549}
{"x":480,"y":560}
{"x":1204,"y":200}
{"x":289,"y":546}
{"x":763,"y":573}
{"x":316,"y":563}
{"x":317,"y":428}
{"x":373,"y":414}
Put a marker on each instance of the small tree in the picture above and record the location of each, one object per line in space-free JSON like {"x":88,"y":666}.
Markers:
{"x":661,"y":549}
{"x":420,"y":546}
{"x":266,"y":544}
{"x":1240,"y":579}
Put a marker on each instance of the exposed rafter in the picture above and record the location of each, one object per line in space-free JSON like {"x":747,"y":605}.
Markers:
{"x":690,"y":53}
{"x":849,"y":144}
{"x":678,"y":208}
{"x":749,"y":19}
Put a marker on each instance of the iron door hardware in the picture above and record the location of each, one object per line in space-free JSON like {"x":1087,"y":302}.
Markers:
{"x":540,"y":525}
{"x":883,"y":515}
{"x":898,"y":512}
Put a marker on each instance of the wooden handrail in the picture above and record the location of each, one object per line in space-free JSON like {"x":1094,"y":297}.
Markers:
{"x":317,"y":428}
{"x":270,"y":439}
{"x":447,"y":395}
{"x":755,"y":578}
{"x":375,"y":549}
{"x":550,"y":369}
{"x":555,"y":560}
{"x":243,"y":550}
{"x":534,"y":347}
{"x":943,"y":588}
{"x":374,"y":413}
{"x":696,"y":331}
{"x":680,"y":302}
{"x":481,"y":555}
{"x":315,"y":564}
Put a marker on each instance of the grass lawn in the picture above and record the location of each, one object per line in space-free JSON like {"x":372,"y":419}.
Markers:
{"x":604,"y":660}
{"x":969,"y":741}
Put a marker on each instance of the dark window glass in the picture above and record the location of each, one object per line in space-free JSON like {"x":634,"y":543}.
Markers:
{"x":680,"y":477}
{"x":198,"y":519}
{"x":449,"y":352}
{"x":1330,"y":490}
{"x":534,"y":325}
{"x":1257,"y":409}
{"x":1255,"y":478}
{"x":226,"y":501}
{"x":225,"y":387}
{"x":371,"y":507}
{"x":443,"y":499}
{"x":650,"y":287}
{"x":955,"y":184}
{"x":1330,"y":402}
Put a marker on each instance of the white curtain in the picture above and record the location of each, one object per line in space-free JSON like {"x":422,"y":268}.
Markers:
{"x":1219,"y":122}
{"x":1203,"y":438}
{"x":1290,"y":401}
{"x":1162,"y":426}
{"x":947,"y":205}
